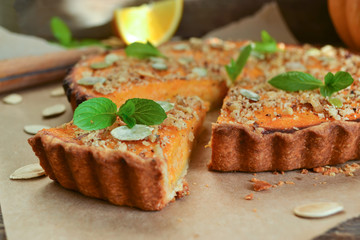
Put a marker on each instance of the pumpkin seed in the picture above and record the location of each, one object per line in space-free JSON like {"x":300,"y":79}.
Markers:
{"x":27,"y":172}
{"x":159,"y":66}
{"x":54,"y":110}
{"x":250,"y":95}
{"x":318,"y":210}
{"x":138,"y":132}
{"x":111,"y":58}
{"x":157,"y":60}
{"x":185,"y":60}
{"x":201,"y":72}
{"x":57,"y":92}
{"x":33,"y":129}
{"x":91,"y":80}
{"x":167,"y":106}
{"x":100,"y":65}
{"x":181,"y":47}
{"x":13,"y":99}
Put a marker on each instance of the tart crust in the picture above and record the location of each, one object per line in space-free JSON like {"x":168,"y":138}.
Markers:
{"x":239,"y":148}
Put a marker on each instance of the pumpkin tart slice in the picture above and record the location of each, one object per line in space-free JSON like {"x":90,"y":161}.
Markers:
{"x":288,"y":130}
{"x":146,"y":173}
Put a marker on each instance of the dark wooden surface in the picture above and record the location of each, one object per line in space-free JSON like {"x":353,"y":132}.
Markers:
{"x":2,"y":228}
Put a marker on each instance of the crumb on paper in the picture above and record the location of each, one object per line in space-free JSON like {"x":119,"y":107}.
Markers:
{"x":289,"y":182}
{"x":254,"y":210}
{"x":304,"y":171}
{"x":179,"y":219}
{"x":249,"y":197}
{"x":254,"y":180}
{"x":276,"y":173}
{"x":206,"y":185}
{"x":261,"y":186}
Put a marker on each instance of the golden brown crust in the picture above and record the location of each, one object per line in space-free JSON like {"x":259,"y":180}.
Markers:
{"x":120,"y":177}
{"x":236,"y":147}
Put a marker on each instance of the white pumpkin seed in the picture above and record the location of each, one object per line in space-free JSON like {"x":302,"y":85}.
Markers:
{"x":185,"y":60}
{"x":201,"y":72}
{"x":157,"y":60}
{"x":100,"y":65}
{"x":181,"y":47}
{"x":54,"y":110}
{"x":167,"y":106}
{"x":33,"y":129}
{"x":91,"y":80}
{"x":138,"y":132}
{"x":159,"y":66}
{"x":111,"y":58}
{"x":318,"y":210}
{"x":57,"y":92}
{"x":313,"y":52}
{"x":250,"y":94}
{"x":29,"y":171}
{"x":13,"y":99}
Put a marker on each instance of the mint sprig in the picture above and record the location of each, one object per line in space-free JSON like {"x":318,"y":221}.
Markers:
{"x":235,"y":67}
{"x":99,"y":113}
{"x":296,"y":81}
{"x":142,"y":50}
{"x":267,"y":45}
{"x":63,"y":35}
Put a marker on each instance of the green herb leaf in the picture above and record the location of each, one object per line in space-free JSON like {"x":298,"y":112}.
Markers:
{"x":94,"y":114}
{"x":295,"y":81}
{"x":268,"y":44}
{"x":144,"y":111}
{"x":337,"y":82}
{"x":142,"y":50}
{"x":60,"y":31}
{"x":335,"y":102}
{"x":130,"y":121}
{"x":127,"y":108}
{"x":234,"y":68}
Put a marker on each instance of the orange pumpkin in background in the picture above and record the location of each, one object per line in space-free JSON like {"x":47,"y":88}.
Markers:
{"x":345,"y":15}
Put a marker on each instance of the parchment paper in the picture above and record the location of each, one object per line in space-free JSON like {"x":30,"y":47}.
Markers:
{"x":215,"y":209}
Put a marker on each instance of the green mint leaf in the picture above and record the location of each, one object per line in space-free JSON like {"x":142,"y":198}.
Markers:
{"x":234,"y":68}
{"x":335,"y":83}
{"x":142,"y":50}
{"x":268,"y":44}
{"x":266,"y":38}
{"x":60,"y":31}
{"x":146,"y":111}
{"x":130,"y":121}
{"x":127,"y":108}
{"x":340,"y":81}
{"x":94,"y":114}
{"x":326,"y":91}
{"x":329,"y":78}
{"x":335,"y":102}
{"x":295,"y":81}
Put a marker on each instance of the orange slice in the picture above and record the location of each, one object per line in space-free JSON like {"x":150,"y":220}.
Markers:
{"x":155,"y":22}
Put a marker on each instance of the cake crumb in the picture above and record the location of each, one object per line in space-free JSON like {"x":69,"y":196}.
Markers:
{"x":254,"y":180}
{"x":179,"y":219}
{"x":249,"y":197}
{"x":206,"y":185}
{"x":289,"y":182}
{"x":254,"y":210}
{"x":276,"y":173}
{"x":304,"y":171}
{"x":280,"y":183}
{"x":261,"y":185}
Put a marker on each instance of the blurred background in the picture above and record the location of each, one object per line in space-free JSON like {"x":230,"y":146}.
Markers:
{"x":308,"y":20}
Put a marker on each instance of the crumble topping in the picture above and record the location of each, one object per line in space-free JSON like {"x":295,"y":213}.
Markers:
{"x":185,"y":109}
{"x":307,"y":59}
